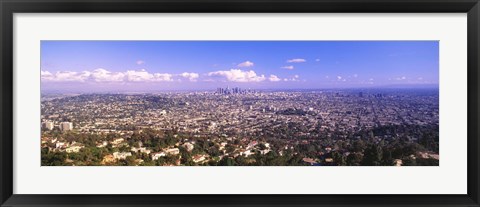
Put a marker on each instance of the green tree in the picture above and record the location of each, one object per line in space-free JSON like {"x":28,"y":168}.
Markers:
{"x":226,"y":161}
{"x":354,"y":159}
{"x":373,"y":156}
{"x":339,"y":158}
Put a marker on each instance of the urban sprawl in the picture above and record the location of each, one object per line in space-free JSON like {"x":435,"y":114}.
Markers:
{"x":235,"y":126}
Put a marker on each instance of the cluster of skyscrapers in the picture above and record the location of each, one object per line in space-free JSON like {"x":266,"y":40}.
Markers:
{"x":235,"y":90}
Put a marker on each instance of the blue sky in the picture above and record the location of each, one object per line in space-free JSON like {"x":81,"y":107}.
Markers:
{"x":192,"y":65}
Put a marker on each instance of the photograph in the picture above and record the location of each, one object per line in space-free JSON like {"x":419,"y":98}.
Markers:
{"x":308,"y":103}
{"x":286,"y":103}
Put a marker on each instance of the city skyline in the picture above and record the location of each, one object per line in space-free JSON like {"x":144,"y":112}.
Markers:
{"x":136,"y":66}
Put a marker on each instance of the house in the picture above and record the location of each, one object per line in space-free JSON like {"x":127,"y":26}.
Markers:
{"x":246,"y":153}
{"x":252,"y":144}
{"x":141,"y":149}
{"x":138,"y":161}
{"x":173,"y":151}
{"x":45,"y":140}
{"x":310,"y":161}
{"x":157,"y":155}
{"x":427,"y":155}
{"x":53,"y":140}
{"x":121,"y":155}
{"x":103,"y":144}
{"x":60,"y":145}
{"x":74,"y":148}
{"x":188,"y":146}
{"x":222,"y":146}
{"x":398,"y":162}
{"x":108,"y":159}
{"x":199,"y":158}
{"x":117,"y":141}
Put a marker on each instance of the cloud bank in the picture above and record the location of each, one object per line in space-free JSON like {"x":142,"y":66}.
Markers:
{"x":101,"y":75}
{"x":237,"y":75}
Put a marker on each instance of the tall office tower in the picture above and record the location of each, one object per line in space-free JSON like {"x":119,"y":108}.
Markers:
{"x":66,"y":126}
{"x":48,"y":125}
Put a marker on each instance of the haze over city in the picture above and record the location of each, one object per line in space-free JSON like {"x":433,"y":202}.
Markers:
{"x":150,"y":66}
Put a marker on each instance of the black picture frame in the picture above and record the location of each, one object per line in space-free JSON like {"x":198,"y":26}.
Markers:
{"x":10,"y":7}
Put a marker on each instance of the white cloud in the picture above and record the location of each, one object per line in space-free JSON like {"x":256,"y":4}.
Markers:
{"x":246,"y":64}
{"x":317,"y":60}
{"x":190,"y":76}
{"x":296,"y":60}
{"x":45,"y":75}
{"x":401,"y":78}
{"x":294,"y":78}
{"x":237,"y":75}
{"x":288,"y":67}
{"x":65,"y":76}
{"x":274,"y":78}
{"x":340,"y":78}
{"x":144,"y":76}
{"x":138,"y":75}
{"x":103,"y":75}
{"x":140,"y":62}
{"x":162,"y":77}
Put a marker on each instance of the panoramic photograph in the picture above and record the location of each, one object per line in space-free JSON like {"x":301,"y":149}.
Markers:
{"x":239,"y":103}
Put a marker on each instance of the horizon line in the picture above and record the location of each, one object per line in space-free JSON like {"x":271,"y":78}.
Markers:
{"x":255,"y":89}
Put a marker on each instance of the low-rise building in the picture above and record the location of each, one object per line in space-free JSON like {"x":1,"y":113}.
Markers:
{"x":117,"y":141}
{"x":60,"y":145}
{"x":199,"y":158}
{"x":173,"y":151}
{"x":141,"y":149}
{"x":398,"y":162}
{"x":74,"y":148}
{"x":246,"y":153}
{"x":310,"y":161}
{"x":103,"y":144}
{"x":121,"y":155}
{"x":188,"y":146}
{"x":157,"y":155}
{"x":108,"y":159}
